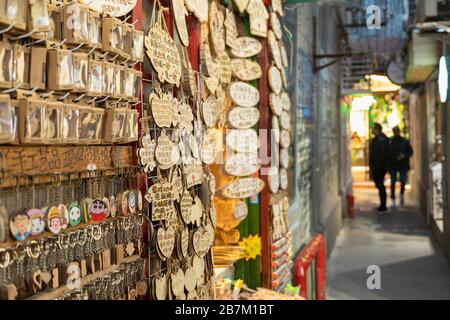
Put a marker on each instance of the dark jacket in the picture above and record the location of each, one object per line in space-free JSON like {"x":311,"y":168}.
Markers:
{"x":379,"y":153}
{"x":400,"y":151}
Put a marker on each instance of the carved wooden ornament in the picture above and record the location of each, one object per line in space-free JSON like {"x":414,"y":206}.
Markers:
{"x":212,"y":83}
{"x":243,"y":188}
{"x":285,"y":120}
{"x":277,"y":7}
{"x":163,"y":55}
{"x":284,"y":158}
{"x":216,"y":27}
{"x":242,"y":140}
{"x":165,"y":239}
{"x":186,"y":207}
{"x":245,"y":69}
{"x":179,"y":13}
{"x":275,"y":81}
{"x":286,"y":101}
{"x":161,"y":288}
{"x":283,"y":179}
{"x":202,"y":242}
{"x":242,"y":164}
{"x":199,"y":8}
{"x":244,"y":94}
{"x":162,"y":106}
{"x":224,"y":63}
{"x":276,"y":104}
{"x":208,"y":149}
{"x":273,"y":179}
{"x":210,"y":111}
{"x":231,"y":32}
{"x":274,"y":49}
{"x":167,"y":153}
{"x":285,"y":139}
{"x":111,"y":7}
{"x":246,"y":47}
{"x":161,"y":196}
{"x":276,"y":25}
{"x":275,"y":128}
{"x":258,"y":18}
{"x":146,"y":154}
{"x":209,"y":67}
{"x":177,"y":283}
{"x":284,"y":57}
{"x":243,"y":118}
{"x":193,"y":174}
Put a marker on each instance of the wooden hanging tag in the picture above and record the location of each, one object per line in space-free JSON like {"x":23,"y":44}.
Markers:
{"x":161,"y":107}
{"x":231,"y":32}
{"x":179,"y":13}
{"x":165,"y":239}
{"x":245,"y":69}
{"x":241,"y":164}
{"x":242,"y":188}
{"x":274,"y":49}
{"x":275,"y":80}
{"x":246,"y":47}
{"x":161,"y":196}
{"x":199,"y":8}
{"x":244,"y":94}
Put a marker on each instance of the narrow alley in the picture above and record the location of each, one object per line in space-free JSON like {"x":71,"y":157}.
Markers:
{"x":399,"y":242}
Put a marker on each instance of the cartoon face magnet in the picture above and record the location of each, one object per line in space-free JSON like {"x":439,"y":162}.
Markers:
{"x":64,"y":216}
{"x":37,"y":218}
{"x":132,"y":201}
{"x":54,"y":220}
{"x":20,"y":226}
{"x":75,"y":216}
{"x":98,"y":210}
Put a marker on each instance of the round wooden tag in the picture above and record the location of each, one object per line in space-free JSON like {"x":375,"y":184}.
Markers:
{"x":161,"y":106}
{"x":245,"y":69}
{"x":179,"y":13}
{"x":276,"y":25}
{"x":243,"y":118}
{"x":273,"y":178}
{"x":286,"y":101}
{"x":276,"y":103}
{"x":285,"y":138}
{"x":274,"y":49}
{"x":209,"y":111}
{"x":243,"y":188}
{"x":283,"y":179}
{"x":246,"y":47}
{"x":275,"y":80}
{"x":244,"y":94}
{"x":284,"y":158}
{"x":285,"y":120}
{"x":242,"y":164}
{"x":242,"y":140}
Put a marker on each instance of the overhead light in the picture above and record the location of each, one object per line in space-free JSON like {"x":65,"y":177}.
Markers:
{"x":443,"y":79}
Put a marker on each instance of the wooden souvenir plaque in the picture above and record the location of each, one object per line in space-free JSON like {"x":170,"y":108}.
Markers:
{"x":277,"y":7}
{"x":202,"y":242}
{"x":246,"y":47}
{"x":167,"y":152}
{"x":275,"y":126}
{"x":285,"y":120}
{"x":165,"y":239}
{"x":274,"y":49}
{"x":242,"y":188}
{"x":275,"y":81}
{"x":258,"y":18}
{"x":276,"y":25}
{"x":242,"y":164}
{"x":186,"y":207}
{"x":285,"y":139}
{"x":284,"y":158}
{"x":231,"y":32}
{"x":210,"y":111}
{"x":242,"y":140}
{"x":161,"y":196}
{"x":208,"y":65}
{"x":276,"y":104}
{"x":283,"y":179}
{"x":244,"y":94}
{"x":111,"y":8}
{"x":216,"y":27}
{"x":179,"y":13}
{"x":284,"y":57}
{"x":286,"y":101}
{"x":273,"y":180}
{"x":161,"y":106}
{"x":146,"y":154}
{"x":163,"y":55}
{"x":193,"y":174}
{"x":243,"y":118}
{"x":199,"y":8}
{"x":224,"y":63}
{"x":245,"y":69}
{"x":208,"y":149}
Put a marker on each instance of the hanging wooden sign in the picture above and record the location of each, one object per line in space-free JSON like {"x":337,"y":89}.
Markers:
{"x":231,"y":32}
{"x":163,"y":54}
{"x":146,"y":154}
{"x":177,"y":283}
{"x":258,"y":18}
{"x":242,"y":188}
{"x":212,"y":83}
{"x":240,"y":211}
{"x":283,"y":77}
{"x":197,"y":211}
{"x":193,"y":174}
{"x":245,"y":69}
{"x":242,"y":164}
{"x":246,"y":47}
{"x":189,"y":80}
{"x":111,"y":8}
{"x":284,"y":57}
{"x":275,"y":81}
{"x":165,"y":239}
{"x":276,"y":25}
{"x":241,"y":5}
{"x":285,"y":120}
{"x":208,"y":149}
{"x":160,"y":288}
{"x":161,"y":196}
{"x":201,"y":242}
{"x":167,"y":152}
{"x":286,"y":101}
{"x":177,"y":182}
{"x":186,"y":207}
{"x":276,"y":104}
{"x":190,"y":279}
{"x":283,"y":179}
{"x":277,"y":7}
{"x":245,"y":140}
{"x":243,"y":118}
{"x":161,"y":107}
{"x":275,"y":129}
{"x":209,"y":67}
{"x":199,"y":8}
{"x":216,"y":27}
{"x":284,"y":158}
{"x":185,"y":117}
{"x":244,"y":94}
{"x":224,"y":63}
{"x":274,"y":49}
{"x":285,"y":138}
{"x":179,"y":13}
{"x":184,"y":236}
{"x":273,"y":179}
{"x":210,"y":111}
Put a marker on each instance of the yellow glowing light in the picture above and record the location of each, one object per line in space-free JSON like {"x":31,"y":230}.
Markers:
{"x":382,"y":84}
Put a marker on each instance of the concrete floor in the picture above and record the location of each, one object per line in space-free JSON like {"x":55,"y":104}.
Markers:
{"x":412,"y":266}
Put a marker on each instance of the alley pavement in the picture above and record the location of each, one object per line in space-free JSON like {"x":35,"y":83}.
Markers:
{"x":399,"y":242}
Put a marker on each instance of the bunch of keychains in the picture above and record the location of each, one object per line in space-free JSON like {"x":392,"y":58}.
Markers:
{"x":83,"y":237}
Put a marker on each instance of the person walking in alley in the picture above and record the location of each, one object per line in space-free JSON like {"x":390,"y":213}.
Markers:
{"x":400,"y":151}
{"x":378,"y":159}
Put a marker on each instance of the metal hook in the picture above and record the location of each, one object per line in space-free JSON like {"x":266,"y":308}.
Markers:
{"x":92,"y":50}
{"x":48,"y":94}
{"x":92,"y":100}
{"x":59,"y":43}
{"x":31,"y":43}
{"x":125,"y":62}
{"x":8,"y":28}
{"x":104,"y":99}
{"x":116,"y":102}
{"x":135,"y":104}
{"x":77,"y":47}
{"x":103,"y":55}
{"x":30,"y":92}
{"x":12,"y":89}
{"x":79,"y":97}
{"x":64,"y":96}
{"x":113,"y":58}
{"x":24,"y":35}
{"x":133,"y":64}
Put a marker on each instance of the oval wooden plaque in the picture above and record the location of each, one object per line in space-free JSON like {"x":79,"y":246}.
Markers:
{"x":285,"y":120}
{"x":284,"y":158}
{"x":276,"y":25}
{"x":276,"y":104}
{"x":284,"y":57}
{"x":209,"y":111}
{"x":275,"y":81}
{"x":242,"y":164}
{"x":216,"y":27}
{"x":242,"y":140}
{"x":274,"y":49}
{"x":246,"y":70}
{"x":276,"y":128}
{"x":243,"y":118}
{"x":243,"y":188}
{"x":246,"y":47}
{"x":244,"y":94}
{"x":224,"y":63}
{"x":285,"y":138}
{"x":199,"y":8}
{"x":283,"y":179}
{"x":179,"y":13}
{"x":273,"y":179}
{"x":231,"y":32}
{"x":286,"y":101}
{"x":161,"y":106}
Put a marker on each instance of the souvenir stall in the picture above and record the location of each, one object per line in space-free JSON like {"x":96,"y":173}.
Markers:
{"x":71,"y":213}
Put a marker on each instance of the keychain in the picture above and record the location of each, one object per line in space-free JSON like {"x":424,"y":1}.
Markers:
{"x":75,"y":216}
{"x":37,"y":216}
